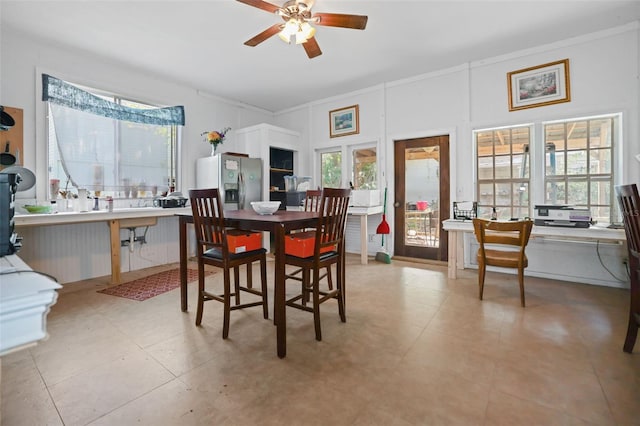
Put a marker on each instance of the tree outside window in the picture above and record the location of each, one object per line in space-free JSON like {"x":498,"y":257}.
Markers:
{"x":331,"y":169}
{"x":365,"y":168}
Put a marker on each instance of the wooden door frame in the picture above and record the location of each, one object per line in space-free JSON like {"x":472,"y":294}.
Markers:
{"x":443,"y":142}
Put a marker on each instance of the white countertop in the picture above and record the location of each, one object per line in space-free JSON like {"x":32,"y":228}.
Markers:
{"x":353,"y":210}
{"x":360,"y":210}
{"x":63,"y":218}
{"x":594,"y":233}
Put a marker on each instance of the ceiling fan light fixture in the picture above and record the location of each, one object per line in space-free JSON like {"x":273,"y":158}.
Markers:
{"x":299,"y":22}
{"x":285,"y":38}
{"x":296,"y":31}
{"x":306,"y":31}
{"x":288,"y":31}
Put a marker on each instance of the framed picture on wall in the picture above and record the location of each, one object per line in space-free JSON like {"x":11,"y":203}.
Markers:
{"x":537,"y":86}
{"x":344,"y":121}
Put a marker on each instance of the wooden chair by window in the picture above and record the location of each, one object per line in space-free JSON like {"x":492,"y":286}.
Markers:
{"x":328,"y":250}
{"x":502,"y":234}
{"x":312,"y":201}
{"x":629,"y":202}
{"x":213,"y":249}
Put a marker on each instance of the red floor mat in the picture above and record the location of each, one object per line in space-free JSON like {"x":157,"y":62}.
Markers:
{"x":153,"y":285}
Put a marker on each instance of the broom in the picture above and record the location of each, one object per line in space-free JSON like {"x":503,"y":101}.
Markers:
{"x":383,"y":228}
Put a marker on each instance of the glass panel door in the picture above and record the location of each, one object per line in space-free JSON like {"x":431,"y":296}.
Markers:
{"x":422,"y":171}
{"x":422,"y":187}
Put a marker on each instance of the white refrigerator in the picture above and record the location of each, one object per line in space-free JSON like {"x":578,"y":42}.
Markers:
{"x":238,"y":178}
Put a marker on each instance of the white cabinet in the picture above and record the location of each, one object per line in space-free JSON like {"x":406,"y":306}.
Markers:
{"x":259,"y":139}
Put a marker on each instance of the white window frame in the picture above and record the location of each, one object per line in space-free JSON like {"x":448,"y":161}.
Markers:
{"x":483,"y":210}
{"x":537,"y":177}
{"x":174,"y":148}
{"x":350,"y":166}
{"x":318,"y":163}
{"x":616,"y":148}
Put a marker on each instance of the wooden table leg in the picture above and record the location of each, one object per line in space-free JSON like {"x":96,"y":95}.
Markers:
{"x":114,"y":233}
{"x":343,"y":276}
{"x":183,"y":263}
{"x":279,"y":306}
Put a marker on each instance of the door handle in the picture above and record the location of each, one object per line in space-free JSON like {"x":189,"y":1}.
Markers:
{"x":396,"y":204}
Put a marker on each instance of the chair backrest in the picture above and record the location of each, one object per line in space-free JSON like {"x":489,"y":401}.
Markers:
{"x":312,"y":200}
{"x":515,"y":233}
{"x":208,"y":219}
{"x":333,"y":219}
{"x":629,"y":202}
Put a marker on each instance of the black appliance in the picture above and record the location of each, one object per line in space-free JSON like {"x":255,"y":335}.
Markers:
{"x":296,"y":198}
{"x":169,"y":202}
{"x":10,"y":242}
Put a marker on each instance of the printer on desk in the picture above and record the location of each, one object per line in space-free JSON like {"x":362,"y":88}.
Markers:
{"x":562,"y":215}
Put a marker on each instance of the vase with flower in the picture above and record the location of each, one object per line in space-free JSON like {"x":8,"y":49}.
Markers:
{"x":215,"y":138}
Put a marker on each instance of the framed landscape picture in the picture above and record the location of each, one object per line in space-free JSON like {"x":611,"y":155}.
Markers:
{"x":344,"y":121}
{"x":540,"y":85}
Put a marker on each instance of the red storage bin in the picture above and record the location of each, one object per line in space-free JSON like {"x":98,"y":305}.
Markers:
{"x":301,"y":244}
{"x":240,"y":241}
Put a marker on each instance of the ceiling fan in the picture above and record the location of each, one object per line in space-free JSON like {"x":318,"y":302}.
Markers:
{"x":297,"y":27}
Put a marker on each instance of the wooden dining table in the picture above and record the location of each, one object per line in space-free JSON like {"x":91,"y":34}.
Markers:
{"x":279,"y":224}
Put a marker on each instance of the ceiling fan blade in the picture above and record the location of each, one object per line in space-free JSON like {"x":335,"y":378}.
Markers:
{"x":269,"y":7}
{"x":272,"y":30}
{"x":312,"y":48}
{"x":356,"y":22}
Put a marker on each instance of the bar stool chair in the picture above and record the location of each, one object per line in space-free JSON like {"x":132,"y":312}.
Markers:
{"x":312,"y":202}
{"x":629,"y":202}
{"x":213,"y":249}
{"x":328,"y":250}
{"x":502,"y":234}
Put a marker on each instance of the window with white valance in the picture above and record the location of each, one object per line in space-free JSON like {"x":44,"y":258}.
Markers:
{"x":107,"y":143}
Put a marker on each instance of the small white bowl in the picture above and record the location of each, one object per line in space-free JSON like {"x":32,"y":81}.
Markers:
{"x":265,"y":207}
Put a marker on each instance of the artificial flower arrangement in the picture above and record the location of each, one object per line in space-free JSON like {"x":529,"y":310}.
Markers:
{"x":215,"y":137}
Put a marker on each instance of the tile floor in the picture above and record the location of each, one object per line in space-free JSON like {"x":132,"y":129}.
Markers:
{"x":417,"y":349}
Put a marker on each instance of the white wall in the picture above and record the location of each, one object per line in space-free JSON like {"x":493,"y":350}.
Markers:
{"x":22,"y":61}
{"x":604,"y":79}
{"x":604,"y":71}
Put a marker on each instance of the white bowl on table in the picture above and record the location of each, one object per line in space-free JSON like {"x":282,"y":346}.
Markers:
{"x":265,"y":207}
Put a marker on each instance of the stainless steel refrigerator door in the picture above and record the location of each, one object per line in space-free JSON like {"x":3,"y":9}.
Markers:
{"x":252,"y":173}
{"x":230,"y":167}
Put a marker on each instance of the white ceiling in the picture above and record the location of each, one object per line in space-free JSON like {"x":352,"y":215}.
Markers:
{"x":200,"y":43}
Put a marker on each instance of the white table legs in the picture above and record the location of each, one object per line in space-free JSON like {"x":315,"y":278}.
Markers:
{"x":364,"y":235}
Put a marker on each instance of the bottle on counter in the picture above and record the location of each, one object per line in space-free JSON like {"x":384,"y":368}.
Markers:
{"x":81,"y":202}
{"x":494,"y":214}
